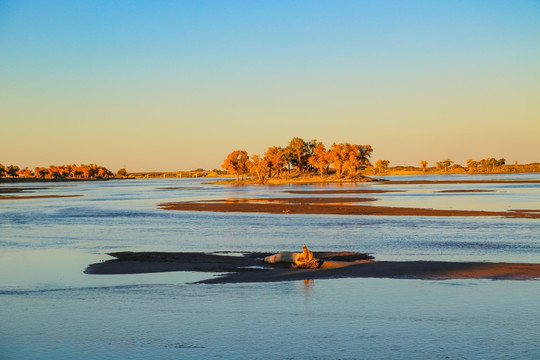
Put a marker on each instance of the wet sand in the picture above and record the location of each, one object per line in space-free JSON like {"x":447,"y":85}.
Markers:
{"x":250,"y":267}
{"x":331,"y":206}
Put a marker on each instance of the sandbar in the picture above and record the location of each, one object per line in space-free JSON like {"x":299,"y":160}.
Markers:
{"x":250,"y":267}
{"x":330,"y":206}
{"x":13,"y":190}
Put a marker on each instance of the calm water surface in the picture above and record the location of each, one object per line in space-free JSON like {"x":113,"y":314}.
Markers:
{"x":50,"y":309}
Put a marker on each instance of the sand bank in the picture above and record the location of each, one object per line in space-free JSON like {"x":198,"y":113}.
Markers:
{"x":250,"y":267}
{"x":331,"y":206}
{"x":15,"y":190}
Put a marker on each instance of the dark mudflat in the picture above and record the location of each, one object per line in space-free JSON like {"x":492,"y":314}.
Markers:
{"x":250,"y":267}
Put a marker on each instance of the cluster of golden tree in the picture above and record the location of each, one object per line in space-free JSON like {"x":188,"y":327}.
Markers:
{"x":82,"y":171}
{"x":484,"y":165}
{"x":382,"y":165}
{"x":444,"y":164}
{"x":303,"y":157}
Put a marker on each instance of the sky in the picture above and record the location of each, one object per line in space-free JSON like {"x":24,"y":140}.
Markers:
{"x":178,"y":85}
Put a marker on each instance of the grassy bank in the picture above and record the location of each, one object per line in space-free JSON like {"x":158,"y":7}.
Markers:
{"x":296,"y":179}
{"x":457,"y":169}
{"x":366,"y":176}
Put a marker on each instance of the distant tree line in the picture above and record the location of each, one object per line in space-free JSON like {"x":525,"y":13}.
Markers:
{"x":481,"y":166}
{"x":447,"y":166}
{"x":91,"y":171}
{"x":301,"y":157}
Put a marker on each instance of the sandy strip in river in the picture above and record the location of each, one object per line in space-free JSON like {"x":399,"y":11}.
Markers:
{"x":331,"y":206}
{"x":250,"y":267}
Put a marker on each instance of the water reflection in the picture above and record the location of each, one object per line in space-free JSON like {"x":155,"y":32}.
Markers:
{"x":308,"y":287}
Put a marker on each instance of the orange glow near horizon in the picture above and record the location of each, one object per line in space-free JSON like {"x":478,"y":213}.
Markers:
{"x":181,"y":89}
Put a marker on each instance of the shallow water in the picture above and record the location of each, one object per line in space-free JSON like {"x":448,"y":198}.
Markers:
{"x":50,"y":309}
{"x":326,"y":319}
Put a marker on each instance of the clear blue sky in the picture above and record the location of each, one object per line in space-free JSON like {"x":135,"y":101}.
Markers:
{"x":177,"y":85}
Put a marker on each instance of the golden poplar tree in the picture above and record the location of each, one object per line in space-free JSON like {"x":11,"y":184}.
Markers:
{"x":237,"y":163}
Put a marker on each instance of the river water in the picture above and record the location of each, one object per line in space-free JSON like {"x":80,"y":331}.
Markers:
{"x":51,"y":309}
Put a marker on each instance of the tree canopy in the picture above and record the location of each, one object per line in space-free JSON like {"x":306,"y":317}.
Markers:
{"x":237,"y":163}
{"x":301,"y":157}
{"x":82,"y":171}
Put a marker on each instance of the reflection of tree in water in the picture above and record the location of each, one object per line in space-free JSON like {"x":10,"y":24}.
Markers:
{"x":308,"y":287}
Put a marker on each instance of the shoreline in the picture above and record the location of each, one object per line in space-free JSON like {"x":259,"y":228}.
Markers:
{"x":305,"y":180}
{"x":250,"y":267}
{"x":317,"y":180}
{"x":47,"y":180}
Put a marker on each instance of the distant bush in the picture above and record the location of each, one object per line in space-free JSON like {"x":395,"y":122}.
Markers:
{"x":82,"y":171}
